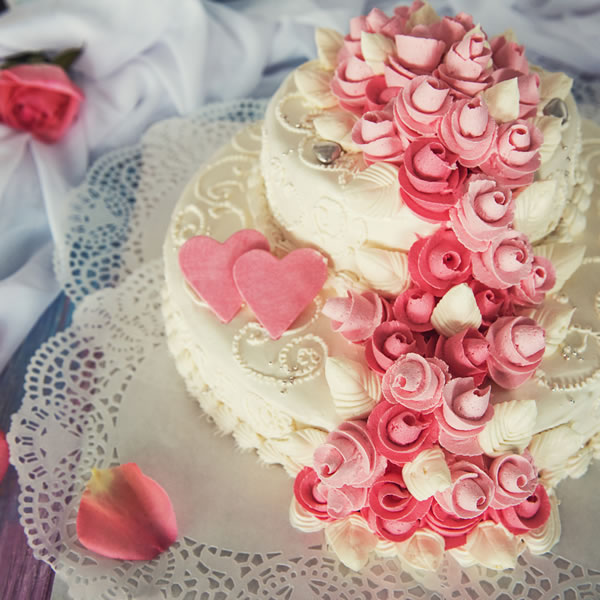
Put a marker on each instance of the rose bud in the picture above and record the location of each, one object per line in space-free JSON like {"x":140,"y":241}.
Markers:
{"x":125,"y":515}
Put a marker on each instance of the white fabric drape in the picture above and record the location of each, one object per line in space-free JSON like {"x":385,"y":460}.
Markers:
{"x":145,"y":60}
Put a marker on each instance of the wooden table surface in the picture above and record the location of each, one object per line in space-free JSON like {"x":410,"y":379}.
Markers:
{"x":23,"y":577}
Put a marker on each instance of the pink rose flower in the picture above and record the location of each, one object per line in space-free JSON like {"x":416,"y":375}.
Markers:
{"x":453,"y":529}
{"x":505,"y":262}
{"x":356,"y":316}
{"x":375,"y":22}
{"x":492,"y":303}
{"x":389,"y":341}
{"x":349,"y":83}
{"x":483,"y":213}
{"x":469,"y":131}
{"x":516,"y":157}
{"x":448,"y":29}
{"x":345,"y":500}
{"x":431,"y":180}
{"x":311,"y":493}
{"x":529,"y":95}
{"x":466,"y":65}
{"x":414,"y":307}
{"x":529,"y":514}
{"x":419,"y":55}
{"x":515,"y":477}
{"x":415,"y":382}
{"x":376,"y":136}
{"x":420,"y":106}
{"x":348,"y":457}
{"x":465,"y":353}
{"x":38,"y":98}
{"x":517,"y":347}
{"x":390,"y":504}
{"x":400,"y":434}
{"x":378,"y":93}
{"x":438,"y":262}
{"x":463,"y":415}
{"x":471,"y":491}
{"x":532,"y":289}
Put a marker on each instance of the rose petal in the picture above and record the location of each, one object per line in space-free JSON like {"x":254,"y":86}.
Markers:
{"x":126,"y":515}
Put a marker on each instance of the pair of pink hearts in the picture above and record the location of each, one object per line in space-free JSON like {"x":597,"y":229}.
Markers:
{"x":242,"y":269}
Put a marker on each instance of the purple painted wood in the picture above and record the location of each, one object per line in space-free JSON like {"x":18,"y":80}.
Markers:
{"x":23,"y":577}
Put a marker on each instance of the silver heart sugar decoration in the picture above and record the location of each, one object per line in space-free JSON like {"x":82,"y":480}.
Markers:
{"x":557,"y":108}
{"x":327,"y":152}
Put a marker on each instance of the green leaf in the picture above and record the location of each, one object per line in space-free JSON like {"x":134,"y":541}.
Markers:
{"x":67,"y":57}
{"x":23,"y":58}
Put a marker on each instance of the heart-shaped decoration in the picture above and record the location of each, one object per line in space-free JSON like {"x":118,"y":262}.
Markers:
{"x":277,"y":291}
{"x":207,"y":266}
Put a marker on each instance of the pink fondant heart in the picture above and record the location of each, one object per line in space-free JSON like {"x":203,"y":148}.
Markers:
{"x":277,"y":291}
{"x":207,"y":266}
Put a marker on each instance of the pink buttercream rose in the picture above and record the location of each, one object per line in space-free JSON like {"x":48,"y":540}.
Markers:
{"x":414,"y":307}
{"x":507,"y":260}
{"x":356,"y":316}
{"x":345,"y":500}
{"x":311,"y":493}
{"x":438,"y":262}
{"x":469,"y":131}
{"x":467,"y":65}
{"x":39,"y":98}
{"x":447,"y":29}
{"x":465,"y":353}
{"x":415,"y":382}
{"x":515,"y":157}
{"x":349,"y":83}
{"x":482,"y":214}
{"x":529,"y":514}
{"x":517,"y":347}
{"x":389,"y":341}
{"x":463,"y":415}
{"x":492,"y":303}
{"x":515,"y":477}
{"x":375,"y":22}
{"x":394,"y":530}
{"x":431,"y":180}
{"x":400,"y":434}
{"x":378,"y":93}
{"x":471,"y":491}
{"x":509,"y":55}
{"x":375,"y":134}
{"x":453,"y":529}
{"x":420,"y":106}
{"x":532,"y":289}
{"x":348,"y":457}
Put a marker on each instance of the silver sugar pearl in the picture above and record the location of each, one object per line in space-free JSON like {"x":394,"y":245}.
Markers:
{"x":557,"y":108}
{"x":327,"y":152}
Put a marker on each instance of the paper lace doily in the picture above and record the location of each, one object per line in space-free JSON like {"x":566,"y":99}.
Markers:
{"x":106,"y":392}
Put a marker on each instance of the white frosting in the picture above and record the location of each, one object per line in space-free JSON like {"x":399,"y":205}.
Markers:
{"x":424,"y":550}
{"x":376,"y":47}
{"x":493,"y":546}
{"x":329,"y":42}
{"x":502,"y":100}
{"x":427,"y":474}
{"x":314,"y":83}
{"x":538,"y":209}
{"x":565,"y":258}
{"x":554,"y":317}
{"x":543,"y":539}
{"x":550,"y":448}
{"x":384,"y":270}
{"x":301,"y":519}
{"x":456,"y":311}
{"x":352,"y":540}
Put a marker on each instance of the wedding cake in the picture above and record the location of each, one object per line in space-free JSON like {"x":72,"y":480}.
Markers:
{"x":383,"y":288}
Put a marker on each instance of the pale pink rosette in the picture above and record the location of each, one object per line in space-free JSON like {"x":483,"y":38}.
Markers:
{"x":420,"y":106}
{"x":453,"y":529}
{"x":462,"y":416}
{"x":414,"y":56}
{"x":483,"y":213}
{"x":414,"y":307}
{"x":517,"y":347}
{"x":389,"y":341}
{"x":465,"y":353}
{"x":345,"y":500}
{"x":415,"y":382}
{"x":492,"y":303}
{"x":515,"y":477}
{"x":467,"y":65}
{"x":469,"y":131}
{"x":392,"y":511}
{"x":508,"y":55}
{"x":529,"y":95}
{"x":378,"y":93}
{"x":448,"y":29}
{"x":506,"y":262}
{"x":529,"y":514}
{"x":356,"y":316}
{"x":400,"y":434}
{"x":532,"y":290}
{"x":377,"y":137}
{"x":438,"y":262}
{"x":431,"y":180}
{"x":348,"y":457}
{"x":471,"y":491}
{"x":516,"y":156}
{"x":349,"y":83}
{"x":311,"y":493}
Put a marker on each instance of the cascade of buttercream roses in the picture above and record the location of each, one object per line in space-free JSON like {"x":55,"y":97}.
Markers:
{"x":415,"y":461}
